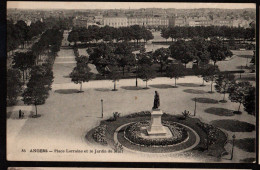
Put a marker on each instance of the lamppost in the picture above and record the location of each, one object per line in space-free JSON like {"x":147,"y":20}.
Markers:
{"x":136,"y":70}
{"x":195,"y":106}
{"x":246,"y":61}
{"x":240,"y":72}
{"x":233,"y":143}
{"x":101,"y":108}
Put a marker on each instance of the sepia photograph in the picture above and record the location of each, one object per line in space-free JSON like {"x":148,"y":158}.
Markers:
{"x":69,"y":168}
{"x":131,"y":82}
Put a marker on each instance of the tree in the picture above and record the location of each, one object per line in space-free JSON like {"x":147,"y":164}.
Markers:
{"x":14,"y":86}
{"x":201,"y":53}
{"x":161,"y":56}
{"x":137,"y":32}
{"x":238,"y":92}
{"x":165,"y":34}
{"x":175,"y":71}
{"x":103,"y":55}
{"x":73,"y":37}
{"x":114,"y":76}
{"x":182,"y":51}
{"x":201,"y":71}
{"x":209,"y":74}
{"x":249,"y":101}
{"x":38,"y":87}
{"x":218,"y":52}
{"x":124,"y":54}
{"x":223,"y":81}
{"x":23,"y":61}
{"x":147,"y":35}
{"x":22,"y":31}
{"x":81,"y":72}
{"x":146,"y":73}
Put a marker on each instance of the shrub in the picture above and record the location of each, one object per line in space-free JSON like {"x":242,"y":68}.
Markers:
{"x":139,"y":114}
{"x":99,"y":135}
{"x":118,"y":148}
{"x":186,"y":114}
{"x":116,"y":115}
{"x":211,"y":131}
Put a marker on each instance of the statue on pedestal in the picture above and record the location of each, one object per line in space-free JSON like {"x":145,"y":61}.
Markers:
{"x":156,"y":103}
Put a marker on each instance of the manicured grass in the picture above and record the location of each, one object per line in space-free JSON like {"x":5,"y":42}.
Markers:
{"x":103,"y":89}
{"x":189,"y":84}
{"x":133,"y":88}
{"x":219,"y":111}
{"x":36,"y":116}
{"x":161,"y":86}
{"x":245,"y":56}
{"x":205,"y":100}
{"x":193,"y":91}
{"x":246,"y":144}
{"x":247,"y":160}
{"x":234,"y":125}
{"x":66,"y":91}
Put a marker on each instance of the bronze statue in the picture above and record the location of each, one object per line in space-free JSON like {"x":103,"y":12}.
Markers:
{"x":156,"y":103}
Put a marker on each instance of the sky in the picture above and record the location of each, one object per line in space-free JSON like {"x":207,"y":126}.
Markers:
{"x":121,"y":5}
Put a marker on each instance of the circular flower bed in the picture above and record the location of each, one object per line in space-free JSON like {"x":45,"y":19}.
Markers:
{"x":134,"y":132}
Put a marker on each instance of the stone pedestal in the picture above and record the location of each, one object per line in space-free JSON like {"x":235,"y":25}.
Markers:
{"x":156,"y":128}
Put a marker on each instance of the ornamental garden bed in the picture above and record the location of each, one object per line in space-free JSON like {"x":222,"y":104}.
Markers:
{"x":107,"y":129}
{"x":133,"y":133}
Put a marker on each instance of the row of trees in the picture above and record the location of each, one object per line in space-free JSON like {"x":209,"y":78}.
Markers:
{"x":21,"y":34}
{"x":95,"y":33}
{"x":121,"y":54}
{"x":199,"y":50}
{"x":208,"y":32}
{"x":239,"y":92}
{"x":40,"y":75}
{"x":48,"y":45}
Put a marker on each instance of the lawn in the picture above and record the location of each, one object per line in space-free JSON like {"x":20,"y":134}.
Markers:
{"x":246,"y":144}
{"x":234,"y":125}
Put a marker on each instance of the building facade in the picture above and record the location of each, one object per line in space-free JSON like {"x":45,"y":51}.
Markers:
{"x":115,"y":21}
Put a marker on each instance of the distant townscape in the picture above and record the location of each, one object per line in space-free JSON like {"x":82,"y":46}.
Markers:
{"x":149,"y":17}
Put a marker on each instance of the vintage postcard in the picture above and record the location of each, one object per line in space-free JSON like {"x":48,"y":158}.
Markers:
{"x":131,"y":82}
{"x":69,"y":168}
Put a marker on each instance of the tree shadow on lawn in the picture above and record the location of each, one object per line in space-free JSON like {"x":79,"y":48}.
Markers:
{"x":246,"y":144}
{"x":162,"y":86}
{"x":247,"y":78}
{"x":205,"y":100}
{"x":189,"y":85}
{"x":66,"y":91}
{"x":219,"y":111}
{"x":103,"y":89}
{"x":234,"y":125}
{"x":193,"y":91}
{"x":245,"y":56}
{"x":247,"y":160}
{"x":243,"y":67}
{"x":133,"y":88}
